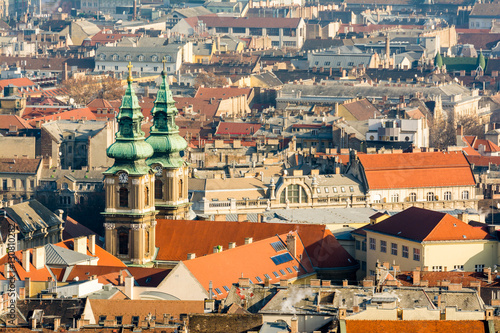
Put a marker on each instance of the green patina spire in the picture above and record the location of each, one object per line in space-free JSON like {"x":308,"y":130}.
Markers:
{"x":164,"y":134}
{"x":481,"y":62}
{"x":130,"y":149}
{"x":438,"y":60}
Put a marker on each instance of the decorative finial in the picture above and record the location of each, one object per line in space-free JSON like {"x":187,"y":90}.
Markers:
{"x":129,"y":79}
{"x":164,"y":61}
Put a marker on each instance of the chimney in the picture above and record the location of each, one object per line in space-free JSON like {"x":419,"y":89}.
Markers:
{"x":121,"y":279}
{"x":33,"y":324}
{"x":92,"y":244}
{"x":57,"y":324}
{"x":244,"y":282}
{"x":248,"y":240}
{"x":487,"y":272}
{"x":217,"y":248}
{"x":26,"y":260}
{"x":39,"y":257}
{"x":27,"y":287}
{"x":291,"y":244}
{"x":129,"y":286}
{"x":191,"y":256}
{"x":232,"y":245}
{"x":80,"y":245}
{"x":283,"y":283}
{"x":416,"y":276}
{"x":294,"y":324}
{"x":345,"y":283}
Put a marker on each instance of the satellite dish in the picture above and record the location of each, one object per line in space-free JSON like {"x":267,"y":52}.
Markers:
{"x":59,"y":9}
{"x":71,"y":100}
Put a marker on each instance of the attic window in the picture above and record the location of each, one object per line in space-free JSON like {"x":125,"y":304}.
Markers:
{"x":454,"y":224}
{"x":217,"y":290}
{"x":289,"y":270}
{"x":276,"y":274}
{"x":296,"y":268}
{"x":135,"y":320}
{"x":282,"y":272}
{"x":225,"y":288}
{"x":464,"y":236}
{"x":267,"y":276}
{"x":258,"y":279}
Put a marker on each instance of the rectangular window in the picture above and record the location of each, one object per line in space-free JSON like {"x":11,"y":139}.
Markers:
{"x":405,"y":251}
{"x":416,"y":254}
{"x":135,"y":320}
{"x":4,"y":184}
{"x":217,"y":290}
{"x":258,"y":279}
{"x":225,"y":288}
{"x":363,"y":266}
{"x":103,"y":67}
{"x":458,"y":267}
{"x":327,"y":190}
{"x":282,"y":272}
{"x":372,"y":273}
{"x":267,"y":276}
{"x":239,"y":30}
{"x":334,"y":190}
{"x":102,"y":319}
{"x":372,"y":244}
{"x":358,"y":245}
{"x":437,"y":268}
{"x":119,"y":320}
{"x":394,"y":249}
{"x":479,"y":268}
{"x":342,"y":189}
{"x":116,"y":68}
{"x":222,"y":30}
{"x":276,"y":274}
{"x":273,"y":31}
{"x":289,"y":270}
{"x":383,"y":246}
{"x":351,"y":188}
{"x":363,"y":246}
{"x":255,"y":31}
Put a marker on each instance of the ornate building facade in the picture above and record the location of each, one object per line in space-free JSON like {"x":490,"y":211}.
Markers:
{"x":171,"y":182}
{"x":129,"y":185}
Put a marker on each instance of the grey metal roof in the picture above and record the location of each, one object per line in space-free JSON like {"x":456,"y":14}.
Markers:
{"x":322,"y":215}
{"x":81,"y":130}
{"x":276,"y":327}
{"x":56,"y":255}
{"x":31,"y":216}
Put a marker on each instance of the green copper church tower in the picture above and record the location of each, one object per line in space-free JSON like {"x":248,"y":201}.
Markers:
{"x":129,"y":185}
{"x":171,"y":171}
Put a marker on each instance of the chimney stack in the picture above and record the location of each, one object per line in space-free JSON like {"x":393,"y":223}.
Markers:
{"x":26,"y":260}
{"x":248,"y":240}
{"x":39,"y":257}
{"x":92,"y":244}
{"x":291,"y":244}
{"x":129,"y":286}
{"x":80,"y":245}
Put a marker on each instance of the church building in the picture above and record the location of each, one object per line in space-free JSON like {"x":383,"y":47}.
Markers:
{"x":148,"y":177}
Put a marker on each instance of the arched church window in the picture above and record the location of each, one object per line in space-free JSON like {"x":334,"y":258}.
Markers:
{"x":146,"y":196}
{"x":180,"y":188}
{"x":123,"y":242}
{"x":123,"y":197}
{"x":158,"y":189}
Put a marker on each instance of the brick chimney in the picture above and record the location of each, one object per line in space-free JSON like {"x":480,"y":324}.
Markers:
{"x":416,"y":276}
{"x":487,"y":272}
{"x":291,"y":244}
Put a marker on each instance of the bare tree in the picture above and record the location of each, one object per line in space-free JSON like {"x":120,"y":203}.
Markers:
{"x":443,"y":131}
{"x":209,"y":80}
{"x":85,"y":90}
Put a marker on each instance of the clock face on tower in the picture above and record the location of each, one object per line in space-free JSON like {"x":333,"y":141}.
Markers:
{"x":158,"y":169}
{"x":123,"y":177}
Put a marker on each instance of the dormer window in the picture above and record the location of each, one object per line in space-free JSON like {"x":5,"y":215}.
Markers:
{"x":141,"y":58}
{"x":154,"y":58}
{"x":115,"y":57}
{"x":102,"y":57}
{"x":128,"y":57}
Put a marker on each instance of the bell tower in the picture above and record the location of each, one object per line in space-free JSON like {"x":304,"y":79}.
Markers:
{"x":171,"y":171}
{"x":129,"y":185}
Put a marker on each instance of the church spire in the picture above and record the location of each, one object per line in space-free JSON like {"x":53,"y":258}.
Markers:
{"x":164,"y":134}
{"x":130,"y":148}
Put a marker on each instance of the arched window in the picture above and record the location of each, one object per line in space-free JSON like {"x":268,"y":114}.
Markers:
{"x":395,"y":197}
{"x":146,"y":196}
{"x":146,"y":241}
{"x":180,"y":188}
{"x":123,"y":242}
{"x":294,"y":194}
{"x":447,"y":196}
{"x":413,"y":196}
{"x":465,"y":195}
{"x":123,"y":197}
{"x":158,"y":189}
{"x":431,"y":196}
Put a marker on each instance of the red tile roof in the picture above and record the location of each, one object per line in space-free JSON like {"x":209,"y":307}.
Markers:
{"x":20,"y":165}
{"x":42,"y":274}
{"x":250,"y":261}
{"x":105,"y":274}
{"x":416,"y":326}
{"x":411,"y":170}
{"x":176,"y":239}
{"x":434,"y":278}
{"x":199,"y":105}
{"x":420,"y":225}
{"x":249,"y":22}
{"x":19,"y":82}
{"x":67,"y":115}
{"x":6,"y":120}
{"x":362,"y":109}
{"x":483,"y":161}
{"x":237,"y":128}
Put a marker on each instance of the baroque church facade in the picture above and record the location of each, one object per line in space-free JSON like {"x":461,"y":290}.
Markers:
{"x":148,"y":178}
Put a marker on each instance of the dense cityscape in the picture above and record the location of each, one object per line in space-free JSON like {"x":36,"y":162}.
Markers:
{"x":243,"y":166}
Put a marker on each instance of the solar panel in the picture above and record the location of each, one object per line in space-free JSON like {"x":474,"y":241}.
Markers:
{"x":278,"y":246}
{"x":281,"y":258}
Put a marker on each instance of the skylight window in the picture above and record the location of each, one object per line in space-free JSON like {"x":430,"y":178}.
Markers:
{"x":276,"y":274}
{"x":282,"y":258}
{"x":278,"y":246}
{"x":217,"y":290}
{"x":289,"y":270}
{"x":282,"y":272}
{"x":258,"y":279}
{"x":267,"y":276}
{"x":296,"y":268}
{"x":225,"y":288}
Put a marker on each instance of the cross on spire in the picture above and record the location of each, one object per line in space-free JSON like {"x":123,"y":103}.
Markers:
{"x":129,"y":79}
{"x":164,"y":61}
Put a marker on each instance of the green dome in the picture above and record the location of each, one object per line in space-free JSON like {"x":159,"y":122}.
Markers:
{"x":164,"y":134}
{"x":130,"y":150}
